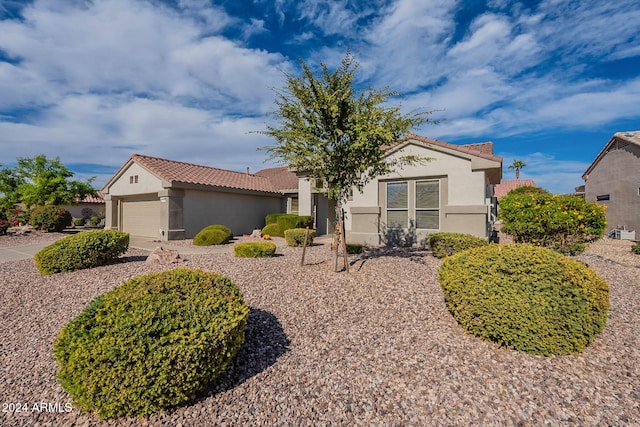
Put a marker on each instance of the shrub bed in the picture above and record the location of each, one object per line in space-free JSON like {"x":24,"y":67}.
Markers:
{"x":525,"y":297}
{"x":83,"y":250}
{"x":49,"y":218}
{"x":295,"y":236}
{"x":445,"y":244}
{"x":151,"y":343}
{"x":254,"y":250}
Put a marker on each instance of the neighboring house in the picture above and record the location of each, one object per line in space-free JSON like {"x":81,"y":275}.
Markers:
{"x":170,"y":200}
{"x":507,"y":185}
{"x":88,"y":207}
{"x":613,"y":179}
{"x":452,"y":192}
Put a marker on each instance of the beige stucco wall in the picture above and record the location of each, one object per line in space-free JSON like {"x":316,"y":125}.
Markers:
{"x":147,"y":182}
{"x":240,"y":212}
{"x":618,"y":175}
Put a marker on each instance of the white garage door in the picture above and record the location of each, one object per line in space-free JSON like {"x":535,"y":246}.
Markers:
{"x":141,"y":218}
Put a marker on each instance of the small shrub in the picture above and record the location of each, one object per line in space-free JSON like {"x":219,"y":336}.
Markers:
{"x":18,"y":217}
{"x":266,"y":237}
{"x":295,"y":236}
{"x":355,"y":248}
{"x":288,"y":221}
{"x":49,"y":218}
{"x":94,"y":221}
{"x":254,"y":250}
{"x":271,"y":229}
{"x":83,"y":250}
{"x":79,"y":222}
{"x":446,"y":244}
{"x":636,"y":248}
{"x":151,"y":343}
{"x":525,"y":297}
{"x":208,"y":237}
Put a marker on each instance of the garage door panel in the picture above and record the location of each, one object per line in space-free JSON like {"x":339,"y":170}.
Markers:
{"x":141,"y":218}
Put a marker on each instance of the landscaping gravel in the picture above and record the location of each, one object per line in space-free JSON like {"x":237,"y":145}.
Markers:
{"x":376,"y":346}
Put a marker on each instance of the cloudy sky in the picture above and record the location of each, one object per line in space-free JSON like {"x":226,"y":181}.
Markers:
{"x":94,"y":81}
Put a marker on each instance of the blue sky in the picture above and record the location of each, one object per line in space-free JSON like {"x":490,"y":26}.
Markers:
{"x":92,"y":82}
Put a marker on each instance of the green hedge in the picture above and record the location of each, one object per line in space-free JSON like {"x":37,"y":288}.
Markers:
{"x":254,"y":250}
{"x":295,"y":236}
{"x":271,"y":229}
{"x":86,"y":249}
{"x":151,"y":343}
{"x":50,"y":218}
{"x":525,"y":297}
{"x":286,"y":222}
{"x":445,"y":243}
{"x":211,"y":236}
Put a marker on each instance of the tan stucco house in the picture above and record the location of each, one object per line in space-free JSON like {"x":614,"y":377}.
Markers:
{"x":452,"y":192}
{"x":170,"y":200}
{"x":613,"y":179}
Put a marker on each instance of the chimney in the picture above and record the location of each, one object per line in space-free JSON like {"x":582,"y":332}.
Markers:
{"x":247,"y":170}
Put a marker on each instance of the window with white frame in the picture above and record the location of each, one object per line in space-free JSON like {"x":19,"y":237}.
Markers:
{"x":428,"y":204}
{"x":413,"y":201}
{"x":397,"y":204}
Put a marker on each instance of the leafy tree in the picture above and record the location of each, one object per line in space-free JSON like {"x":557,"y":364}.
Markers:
{"x":39,"y":181}
{"x":337,"y":133}
{"x":517,"y":165}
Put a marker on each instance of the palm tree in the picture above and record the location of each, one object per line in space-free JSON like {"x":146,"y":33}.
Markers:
{"x":517,"y":165}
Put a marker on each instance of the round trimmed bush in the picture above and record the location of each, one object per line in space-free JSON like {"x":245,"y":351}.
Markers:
{"x":295,"y":236}
{"x":79,"y":222}
{"x":87,"y":249}
{"x":151,"y":343}
{"x":445,"y":243}
{"x":271,"y":229}
{"x":525,"y":297}
{"x":220,"y":227}
{"x":208,"y":237}
{"x":254,"y":250}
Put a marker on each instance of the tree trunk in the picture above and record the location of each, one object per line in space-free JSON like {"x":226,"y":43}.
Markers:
{"x":336,"y":239}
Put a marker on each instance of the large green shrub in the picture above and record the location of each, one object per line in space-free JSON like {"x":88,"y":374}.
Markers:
{"x":254,"y":250}
{"x":286,"y":222}
{"x":525,"y":297}
{"x":562,"y":223}
{"x":83,"y":250}
{"x":227,"y":230}
{"x":151,"y":343}
{"x":271,"y":230}
{"x":49,"y":218}
{"x":295,"y":236}
{"x":445,"y":243}
{"x":211,"y":236}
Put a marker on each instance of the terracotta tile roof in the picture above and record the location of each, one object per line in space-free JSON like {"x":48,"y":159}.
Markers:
{"x":281,"y":177}
{"x":189,"y":173}
{"x":98,"y":198}
{"x":501,"y":190}
{"x":481,"y":149}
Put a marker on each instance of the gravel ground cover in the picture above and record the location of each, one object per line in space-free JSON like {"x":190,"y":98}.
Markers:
{"x":374,"y":347}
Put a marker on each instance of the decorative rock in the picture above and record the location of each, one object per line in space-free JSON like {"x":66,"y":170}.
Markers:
{"x":257,"y":233}
{"x":164,"y":256}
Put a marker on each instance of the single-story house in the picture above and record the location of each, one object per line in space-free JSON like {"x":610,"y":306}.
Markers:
{"x":88,"y":207}
{"x":170,"y":200}
{"x":452,"y":192}
{"x":613,"y":179}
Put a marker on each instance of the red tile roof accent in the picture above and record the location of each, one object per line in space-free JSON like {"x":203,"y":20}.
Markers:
{"x":501,"y":190}
{"x":98,"y":198}
{"x":281,"y":177}
{"x":189,"y":173}
{"x":480,"y":149}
